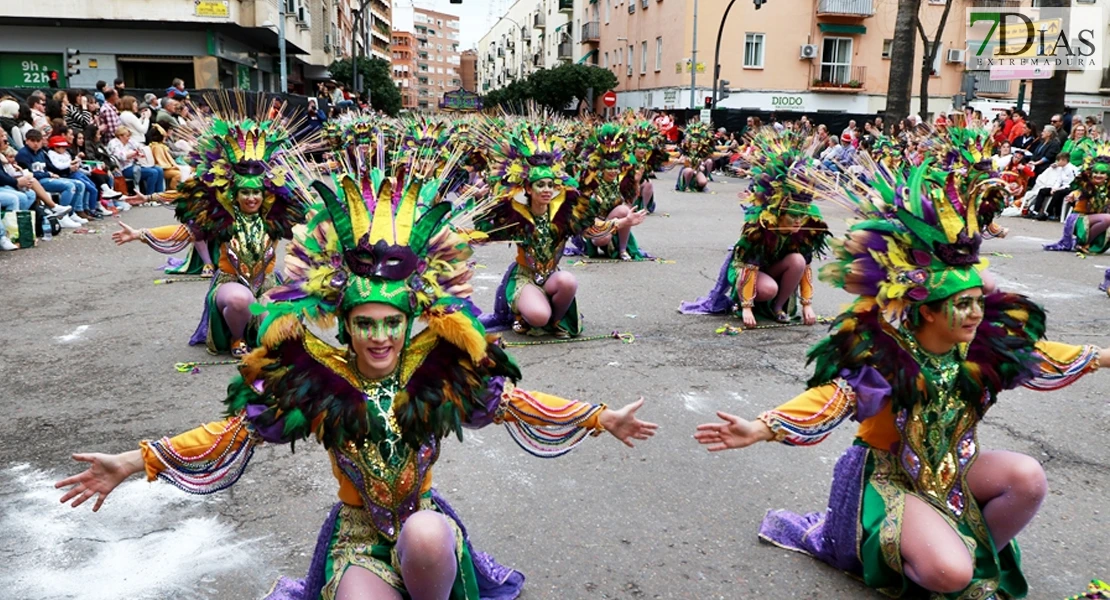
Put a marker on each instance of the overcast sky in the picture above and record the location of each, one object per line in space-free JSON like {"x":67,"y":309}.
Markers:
{"x":475,"y":16}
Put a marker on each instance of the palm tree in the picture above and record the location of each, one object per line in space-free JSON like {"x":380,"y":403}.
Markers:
{"x":901,"y":61}
{"x":1047,"y":97}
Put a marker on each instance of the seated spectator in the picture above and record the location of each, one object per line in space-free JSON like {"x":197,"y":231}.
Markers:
{"x":23,"y":182}
{"x":131,"y":117}
{"x":97,"y":172}
{"x":15,"y":120}
{"x":170,"y":115}
{"x":78,"y":115}
{"x":32,"y":157}
{"x":162,"y":157}
{"x":177,"y":90}
{"x":128,"y":153}
{"x":38,"y":114}
{"x":65,"y":165}
{"x":1052,"y":185}
{"x":1001,"y":161}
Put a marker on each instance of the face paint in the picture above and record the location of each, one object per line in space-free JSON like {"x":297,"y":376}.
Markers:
{"x":544,"y":185}
{"x":962,"y":308}
{"x":369,"y":328}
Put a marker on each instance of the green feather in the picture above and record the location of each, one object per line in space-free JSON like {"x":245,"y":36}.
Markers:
{"x":337,"y":209}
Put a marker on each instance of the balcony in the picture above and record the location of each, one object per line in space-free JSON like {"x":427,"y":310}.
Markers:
{"x":838,"y":78}
{"x":565,"y":52}
{"x":566,"y":6}
{"x":845,"y":8}
{"x":539,"y":21}
{"x":591,"y":32}
{"x":526,"y":34}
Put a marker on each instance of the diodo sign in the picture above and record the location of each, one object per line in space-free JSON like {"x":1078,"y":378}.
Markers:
{"x":787,"y":103}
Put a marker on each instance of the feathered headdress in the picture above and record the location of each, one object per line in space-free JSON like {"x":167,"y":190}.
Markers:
{"x":779,"y":182}
{"x":233,"y":153}
{"x":607,"y":148}
{"x":916,"y":241}
{"x":524,"y":155}
{"x":698,"y":144}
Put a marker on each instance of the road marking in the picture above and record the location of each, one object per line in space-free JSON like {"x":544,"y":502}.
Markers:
{"x":74,"y":336}
{"x":62,"y":552}
{"x":693,"y":403}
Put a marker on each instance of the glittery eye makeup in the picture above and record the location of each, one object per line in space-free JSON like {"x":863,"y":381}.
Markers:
{"x":961,"y":309}
{"x":544,"y":184}
{"x":391,"y":327}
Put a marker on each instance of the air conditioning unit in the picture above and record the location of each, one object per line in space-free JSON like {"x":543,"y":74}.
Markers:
{"x":955,"y":55}
{"x":809,"y":51}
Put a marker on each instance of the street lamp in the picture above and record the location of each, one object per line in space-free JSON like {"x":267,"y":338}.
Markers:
{"x":717,"y":52}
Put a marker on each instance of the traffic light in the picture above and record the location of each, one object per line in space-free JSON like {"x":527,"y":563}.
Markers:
{"x":72,"y":62}
{"x":709,"y":102}
{"x":759,"y":3}
{"x":969,"y":85}
{"x":723,"y":91}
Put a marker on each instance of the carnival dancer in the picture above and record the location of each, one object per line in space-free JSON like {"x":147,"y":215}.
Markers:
{"x":650,"y":157}
{"x":698,"y":151}
{"x":377,"y":254}
{"x":769,"y":266}
{"x":1085,"y":228}
{"x":916,"y":504}
{"x":243,"y":199}
{"x":606,"y":165}
{"x":539,"y":209}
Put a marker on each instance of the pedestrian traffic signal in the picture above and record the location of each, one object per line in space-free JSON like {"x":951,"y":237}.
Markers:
{"x":709,"y":102}
{"x":724,"y":91}
{"x":72,"y":62}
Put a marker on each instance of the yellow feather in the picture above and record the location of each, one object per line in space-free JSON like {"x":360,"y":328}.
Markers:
{"x":949,"y":220}
{"x":282,"y":329}
{"x":457,"y":329}
{"x":405,"y":214}
{"x":356,"y":207}
{"x":382,"y":226}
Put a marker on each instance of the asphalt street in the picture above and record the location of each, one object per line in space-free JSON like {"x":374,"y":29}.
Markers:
{"x":87,"y":364}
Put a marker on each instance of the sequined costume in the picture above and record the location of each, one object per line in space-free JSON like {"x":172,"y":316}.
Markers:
{"x":387,"y":238}
{"x":234,"y":154}
{"x":1089,"y":198}
{"x":918,"y":412}
{"x":763,"y":242}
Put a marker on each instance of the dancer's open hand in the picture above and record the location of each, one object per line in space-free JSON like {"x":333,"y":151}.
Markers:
{"x":636,"y":217}
{"x":624,"y":425}
{"x":125,"y":234}
{"x":809,"y":317}
{"x":733,"y":433}
{"x":105,"y":472}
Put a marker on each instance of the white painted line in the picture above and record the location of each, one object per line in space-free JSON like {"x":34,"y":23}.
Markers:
{"x":72,"y":337}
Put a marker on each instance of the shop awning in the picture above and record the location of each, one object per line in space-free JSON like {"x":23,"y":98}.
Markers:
{"x":841,"y":28}
{"x":587,"y":56}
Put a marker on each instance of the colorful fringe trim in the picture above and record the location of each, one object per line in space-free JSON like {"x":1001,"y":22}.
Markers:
{"x":201,"y":474}
{"x":560,"y":433}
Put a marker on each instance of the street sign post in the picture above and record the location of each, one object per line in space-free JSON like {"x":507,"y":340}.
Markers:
{"x":609,"y":98}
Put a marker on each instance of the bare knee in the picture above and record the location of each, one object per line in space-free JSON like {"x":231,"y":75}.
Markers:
{"x":619,"y":212}
{"x":1027,"y":479}
{"x":794,"y":261}
{"x":564,"y":282}
{"x":237,"y":298}
{"x":765,"y":289}
{"x":426,"y":537}
{"x":945,"y":574}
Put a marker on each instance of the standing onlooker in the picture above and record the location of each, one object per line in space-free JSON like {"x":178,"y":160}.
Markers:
{"x":131,"y":117}
{"x":1057,"y":121}
{"x":1017,"y":129}
{"x":78,"y":116}
{"x":108,"y":117}
{"x":99,"y":93}
{"x":120,"y":86}
{"x":1069,"y":114}
{"x":38,"y":113}
{"x":177,"y":90}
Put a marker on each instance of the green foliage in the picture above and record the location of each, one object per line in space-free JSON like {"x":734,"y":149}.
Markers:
{"x":553,"y":88}
{"x":377,"y":79}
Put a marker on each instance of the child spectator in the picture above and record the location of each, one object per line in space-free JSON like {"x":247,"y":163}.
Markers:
{"x":69,"y":167}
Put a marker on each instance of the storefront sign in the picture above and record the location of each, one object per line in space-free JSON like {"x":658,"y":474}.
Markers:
{"x":790,"y":103}
{"x":243,"y":77}
{"x":211,"y":8}
{"x":30,"y":70}
{"x":670,"y":98}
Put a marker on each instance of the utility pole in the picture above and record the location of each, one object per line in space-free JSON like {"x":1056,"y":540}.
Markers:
{"x":281,"y":48}
{"x":694,"y":60}
{"x":717,"y":51}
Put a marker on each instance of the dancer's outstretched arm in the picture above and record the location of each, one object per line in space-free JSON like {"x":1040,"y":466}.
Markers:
{"x":804,"y":421}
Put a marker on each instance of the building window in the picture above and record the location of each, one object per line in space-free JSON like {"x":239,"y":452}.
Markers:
{"x":836,"y":60}
{"x":605,"y":60}
{"x":659,"y":53}
{"x":753,"y":50}
{"x":887,"y":45}
{"x":608,"y":9}
{"x":631,"y":59}
{"x":643,"y":58}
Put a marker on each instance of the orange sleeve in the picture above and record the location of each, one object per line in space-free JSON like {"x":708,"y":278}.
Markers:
{"x":167,"y":239}
{"x":805,"y":288}
{"x":203,"y":460}
{"x":546,"y":425}
{"x":746,"y":277}
{"x":810,"y":417}
{"x":1063,"y":364}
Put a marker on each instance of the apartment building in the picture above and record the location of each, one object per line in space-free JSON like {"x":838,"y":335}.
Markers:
{"x":404,"y":67}
{"x":378,"y":27}
{"x":531,"y":35}
{"x":468,"y":70}
{"x":207,"y":43}
{"x":827,"y":55}
{"x":437,"y":56}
